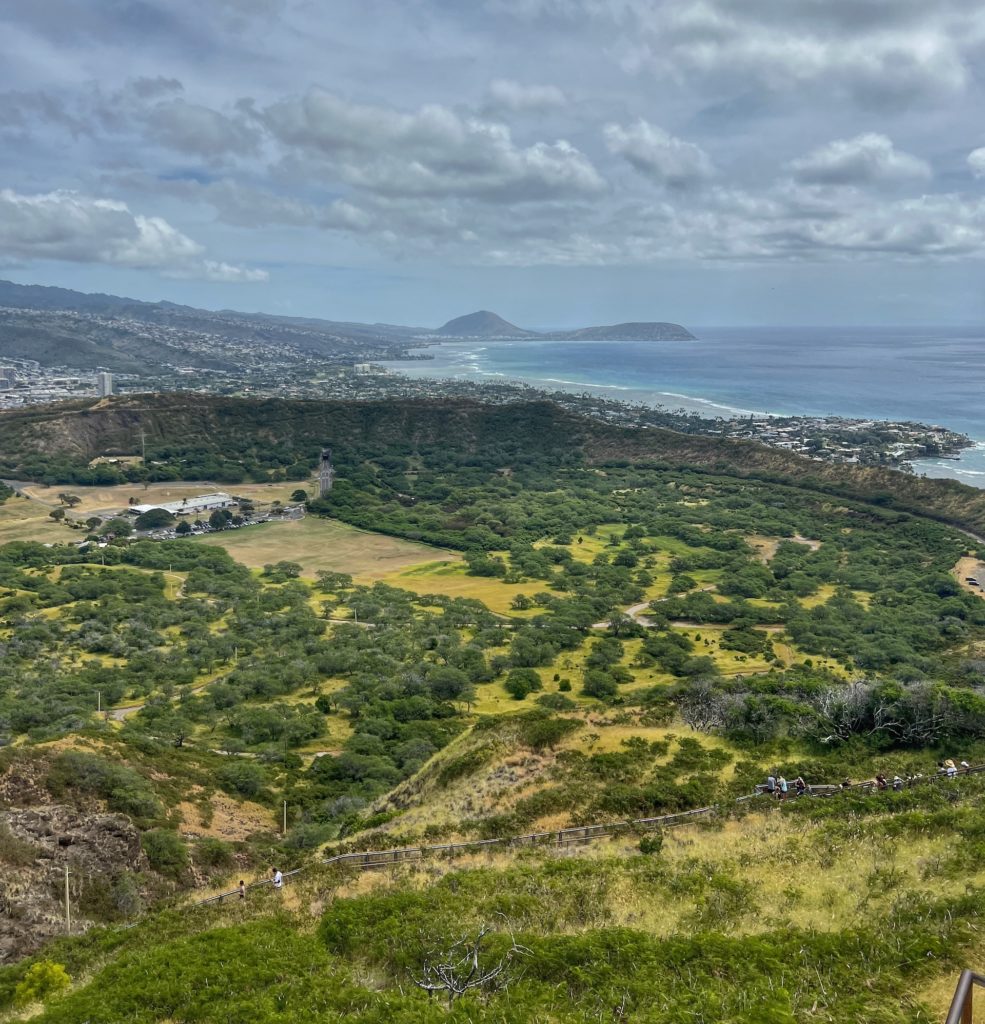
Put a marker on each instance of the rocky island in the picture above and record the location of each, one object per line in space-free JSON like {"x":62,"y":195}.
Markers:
{"x":484,"y":324}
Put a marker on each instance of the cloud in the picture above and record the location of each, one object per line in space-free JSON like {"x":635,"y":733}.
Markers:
{"x":81,"y":229}
{"x":505,"y":94}
{"x":218,"y":271}
{"x":433,"y":151}
{"x":876,"y":52}
{"x":659,"y":155}
{"x":976,"y":161}
{"x":199,"y":130}
{"x":868,"y":159}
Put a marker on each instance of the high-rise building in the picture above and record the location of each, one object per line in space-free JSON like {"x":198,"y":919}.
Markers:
{"x":8,"y":377}
{"x":326,"y":473}
{"x":104,"y":384}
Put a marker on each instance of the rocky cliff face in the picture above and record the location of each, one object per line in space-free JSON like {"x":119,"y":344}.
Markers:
{"x":39,"y":838}
{"x":38,"y":843}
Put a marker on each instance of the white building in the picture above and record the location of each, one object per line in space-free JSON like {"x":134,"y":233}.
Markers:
{"x":104,"y":384}
{"x":188,"y":506}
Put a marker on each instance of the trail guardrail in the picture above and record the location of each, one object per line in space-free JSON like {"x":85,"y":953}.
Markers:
{"x":578,"y":834}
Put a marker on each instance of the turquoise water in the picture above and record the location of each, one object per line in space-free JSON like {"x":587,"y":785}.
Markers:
{"x":934,"y":375}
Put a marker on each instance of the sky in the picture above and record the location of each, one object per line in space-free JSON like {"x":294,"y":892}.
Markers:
{"x":562,"y":162}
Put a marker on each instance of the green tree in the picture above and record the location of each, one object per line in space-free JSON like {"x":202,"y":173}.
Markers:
{"x":521,"y":682}
{"x":153,"y":519}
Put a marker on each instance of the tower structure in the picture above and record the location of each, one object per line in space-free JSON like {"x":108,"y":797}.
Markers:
{"x":326,"y":473}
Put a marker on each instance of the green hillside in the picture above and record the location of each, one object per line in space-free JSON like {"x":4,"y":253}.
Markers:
{"x":617,"y":625}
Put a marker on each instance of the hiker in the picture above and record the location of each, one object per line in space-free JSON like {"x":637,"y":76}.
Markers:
{"x":897,"y":783}
{"x":771,"y":785}
{"x":242,"y":889}
{"x":847,"y":784}
{"x":782,"y":784}
{"x":950,"y":768}
{"x":881,"y":782}
{"x":278,"y":879}
{"x":800,"y":786}
{"x":965,"y":765}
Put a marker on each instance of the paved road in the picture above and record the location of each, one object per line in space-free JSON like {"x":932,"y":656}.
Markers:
{"x":634,"y":611}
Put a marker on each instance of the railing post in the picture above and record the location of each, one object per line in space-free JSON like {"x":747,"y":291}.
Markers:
{"x":966,"y":1011}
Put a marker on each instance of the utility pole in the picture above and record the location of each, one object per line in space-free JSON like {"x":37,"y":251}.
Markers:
{"x":99,"y":702}
{"x":68,"y":904}
{"x":284,"y":832}
{"x":143,"y":447}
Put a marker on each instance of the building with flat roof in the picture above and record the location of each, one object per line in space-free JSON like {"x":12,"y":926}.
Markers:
{"x":188,"y":506}
{"x":104,"y":384}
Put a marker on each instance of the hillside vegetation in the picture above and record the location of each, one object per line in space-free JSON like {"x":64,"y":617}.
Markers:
{"x":632,"y":624}
{"x":192,"y":436}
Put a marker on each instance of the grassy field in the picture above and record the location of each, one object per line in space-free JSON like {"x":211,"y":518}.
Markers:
{"x":21,"y":519}
{"x":449,"y":577}
{"x":324,"y":544}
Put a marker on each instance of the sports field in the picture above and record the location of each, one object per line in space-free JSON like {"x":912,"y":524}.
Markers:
{"x":324,"y":544}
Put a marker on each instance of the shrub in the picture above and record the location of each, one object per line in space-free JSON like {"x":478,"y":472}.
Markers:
{"x":556,"y":702}
{"x":42,"y":979}
{"x":599,"y":684}
{"x":241,"y":778}
{"x":652,"y":844}
{"x":14,"y":851}
{"x":541,"y":732}
{"x":214,"y":853}
{"x":165,"y":851}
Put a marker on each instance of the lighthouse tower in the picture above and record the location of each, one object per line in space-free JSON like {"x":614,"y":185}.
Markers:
{"x":326,"y":473}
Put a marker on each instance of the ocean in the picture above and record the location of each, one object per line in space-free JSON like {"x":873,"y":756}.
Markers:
{"x":933,"y":375}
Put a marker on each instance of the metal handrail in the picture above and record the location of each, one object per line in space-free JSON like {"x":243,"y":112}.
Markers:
{"x":962,"y":1003}
{"x":561,"y":837}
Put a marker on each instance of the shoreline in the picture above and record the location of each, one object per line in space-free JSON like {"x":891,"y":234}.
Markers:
{"x":964,"y":463}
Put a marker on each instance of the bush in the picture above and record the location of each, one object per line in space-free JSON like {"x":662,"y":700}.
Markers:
{"x":652,"y":844}
{"x":521,"y":682}
{"x":542,"y":733}
{"x":599,"y":684}
{"x":241,"y":778}
{"x":214,"y":853}
{"x":165,"y":851}
{"x":556,"y":702}
{"x":42,"y":979}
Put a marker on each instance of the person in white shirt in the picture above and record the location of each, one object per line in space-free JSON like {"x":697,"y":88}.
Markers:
{"x":278,"y":879}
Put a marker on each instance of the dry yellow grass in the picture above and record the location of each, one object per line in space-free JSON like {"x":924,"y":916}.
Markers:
{"x":798,"y":878}
{"x":22,"y":519}
{"x":325,"y":544}
{"x":450,"y":578}
{"x":231,"y":820}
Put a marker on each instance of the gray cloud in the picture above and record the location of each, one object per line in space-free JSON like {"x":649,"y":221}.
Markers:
{"x":867,"y":159}
{"x":505,"y":94}
{"x":77,"y":228}
{"x":659,"y":155}
{"x":196,"y":129}
{"x":432,"y":151}
{"x":976,"y":161}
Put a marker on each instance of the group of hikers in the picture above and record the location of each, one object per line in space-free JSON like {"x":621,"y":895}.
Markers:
{"x":778,"y":787}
